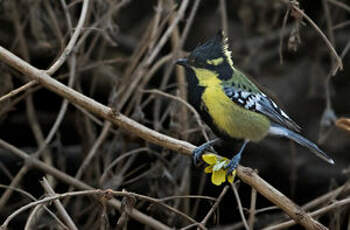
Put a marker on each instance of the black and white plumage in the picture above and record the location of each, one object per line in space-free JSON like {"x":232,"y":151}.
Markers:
{"x":259,"y":102}
{"x":281,"y":123}
{"x":232,"y":105}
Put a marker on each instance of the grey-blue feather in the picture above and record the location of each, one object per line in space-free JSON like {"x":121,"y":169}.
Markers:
{"x":278,"y":130}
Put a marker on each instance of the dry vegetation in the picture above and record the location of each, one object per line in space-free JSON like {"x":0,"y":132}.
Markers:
{"x":121,"y":160}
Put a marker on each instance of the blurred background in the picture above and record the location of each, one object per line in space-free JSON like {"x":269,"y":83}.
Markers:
{"x":124,"y":58}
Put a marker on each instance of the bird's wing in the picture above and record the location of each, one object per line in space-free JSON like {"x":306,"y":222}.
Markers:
{"x":258,"y":102}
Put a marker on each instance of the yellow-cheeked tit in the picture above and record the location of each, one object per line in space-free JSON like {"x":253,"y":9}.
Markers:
{"x":233,"y":106}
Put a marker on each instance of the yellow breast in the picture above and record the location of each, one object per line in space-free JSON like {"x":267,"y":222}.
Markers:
{"x":230,"y":118}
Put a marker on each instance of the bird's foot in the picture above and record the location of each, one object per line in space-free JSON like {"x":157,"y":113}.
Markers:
{"x":232,"y":165}
{"x":197,"y":154}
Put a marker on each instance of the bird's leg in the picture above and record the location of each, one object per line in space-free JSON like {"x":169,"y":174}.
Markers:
{"x":198,"y":152}
{"x":236,"y":159}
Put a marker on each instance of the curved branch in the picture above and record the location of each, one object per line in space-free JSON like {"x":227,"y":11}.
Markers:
{"x":246,"y":174}
{"x":66,"y":52}
{"x":294,"y":6}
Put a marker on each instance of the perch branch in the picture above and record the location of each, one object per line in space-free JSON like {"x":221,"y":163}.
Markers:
{"x":246,"y":174}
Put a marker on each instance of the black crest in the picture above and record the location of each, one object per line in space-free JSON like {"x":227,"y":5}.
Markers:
{"x":214,"y":48}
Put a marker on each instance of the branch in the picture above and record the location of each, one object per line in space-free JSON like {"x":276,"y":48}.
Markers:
{"x":246,"y":174}
{"x":295,"y":7}
{"x":66,"y":52}
{"x":317,"y":213}
{"x":60,"y":208}
{"x":38,"y":164}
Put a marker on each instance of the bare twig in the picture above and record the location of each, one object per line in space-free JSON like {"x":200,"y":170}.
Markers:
{"x":246,"y":174}
{"x":28,"y":195}
{"x":334,"y":53}
{"x":280,"y":50}
{"x":61,"y":210}
{"x":18,"y":90}
{"x":340,"y":4}
{"x":240,"y":207}
{"x":223,"y":14}
{"x":316,"y":213}
{"x":68,"y":49}
{"x":137,"y":215}
{"x":168,"y":32}
{"x":252,"y":209}
{"x":195,"y":113}
{"x":31,"y":217}
{"x":215,"y":206}
{"x":106,"y":193}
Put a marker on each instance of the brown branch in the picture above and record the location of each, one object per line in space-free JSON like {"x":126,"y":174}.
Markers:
{"x":246,"y":174}
{"x":18,"y":90}
{"x":340,"y":4}
{"x":29,"y":196}
{"x":61,"y":210}
{"x":294,"y":211}
{"x":252,"y":210}
{"x":334,"y":53}
{"x":316,"y":213}
{"x":33,"y":162}
{"x":179,"y":99}
{"x":63,"y":57}
{"x":240,"y":207}
{"x":280,"y":49}
{"x":106,"y":193}
{"x":31,"y":217}
{"x":214,"y":207}
{"x":223,"y":16}
{"x":66,"y":52}
{"x":168,"y":32}
{"x":326,"y":198}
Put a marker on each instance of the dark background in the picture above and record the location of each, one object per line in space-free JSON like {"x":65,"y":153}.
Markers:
{"x":298,"y":85}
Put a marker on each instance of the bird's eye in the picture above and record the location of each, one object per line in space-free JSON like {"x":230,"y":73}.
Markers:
{"x":198,"y":62}
{"x":195,"y":61}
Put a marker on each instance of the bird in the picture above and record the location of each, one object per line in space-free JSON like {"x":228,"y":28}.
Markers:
{"x":232,"y":105}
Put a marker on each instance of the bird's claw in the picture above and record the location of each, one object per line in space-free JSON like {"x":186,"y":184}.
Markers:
{"x":197,"y":154}
{"x":232,"y":165}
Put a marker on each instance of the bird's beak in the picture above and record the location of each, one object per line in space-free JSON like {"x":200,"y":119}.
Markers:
{"x":182,"y":61}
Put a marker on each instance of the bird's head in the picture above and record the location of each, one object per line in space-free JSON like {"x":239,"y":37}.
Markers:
{"x":212,"y":55}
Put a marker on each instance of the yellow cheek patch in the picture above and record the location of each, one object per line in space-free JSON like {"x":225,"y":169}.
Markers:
{"x":206,"y":77}
{"x":216,"y":61}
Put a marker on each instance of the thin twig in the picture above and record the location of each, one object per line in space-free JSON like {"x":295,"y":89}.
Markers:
{"x":280,"y":50}
{"x":31,"y":217}
{"x":137,"y":215}
{"x":223,"y":14}
{"x":340,"y":4}
{"x":240,"y":208}
{"x":252,"y":209}
{"x":28,"y":195}
{"x":195,"y":113}
{"x":68,"y":49}
{"x":215,"y":206}
{"x":98,"y":192}
{"x":18,"y":90}
{"x":246,"y":174}
{"x":61,"y":210}
{"x":316,"y":213}
{"x":117,"y":160}
{"x":168,"y":32}
{"x":334,"y":53}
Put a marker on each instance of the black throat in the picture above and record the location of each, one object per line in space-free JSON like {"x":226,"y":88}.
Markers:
{"x":194,"y":90}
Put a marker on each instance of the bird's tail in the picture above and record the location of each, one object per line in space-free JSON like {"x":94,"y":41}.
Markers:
{"x":281,"y":131}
